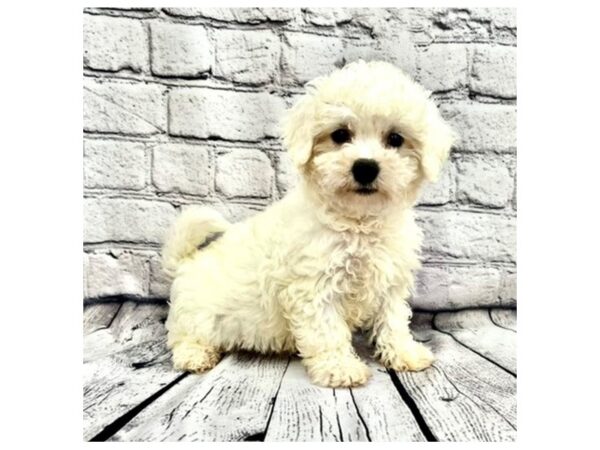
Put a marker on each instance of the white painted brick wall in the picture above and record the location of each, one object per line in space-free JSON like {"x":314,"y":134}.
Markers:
{"x":182,"y":106}
{"x":114,"y":43}
{"x":180,"y":50}
{"x":244,"y":173}
{"x":182,"y":168}
{"x":230,"y":115}
{"x":247,"y":56}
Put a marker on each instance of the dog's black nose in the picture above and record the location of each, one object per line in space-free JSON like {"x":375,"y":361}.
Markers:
{"x":365,"y":170}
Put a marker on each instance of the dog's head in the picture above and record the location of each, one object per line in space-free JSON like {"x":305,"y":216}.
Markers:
{"x":365,"y":137}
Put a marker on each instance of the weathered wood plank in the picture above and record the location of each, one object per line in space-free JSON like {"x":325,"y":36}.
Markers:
{"x":118,"y":382}
{"x":229,"y":403}
{"x":475,"y":330}
{"x":505,"y":318}
{"x":375,"y":412}
{"x":306,"y":412}
{"x":384,"y":413}
{"x":133,"y":324}
{"x":124,"y":364}
{"x":462,"y":397}
{"x":98,"y":316}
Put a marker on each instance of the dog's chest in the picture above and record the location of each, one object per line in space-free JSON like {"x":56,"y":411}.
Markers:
{"x":361,"y":271}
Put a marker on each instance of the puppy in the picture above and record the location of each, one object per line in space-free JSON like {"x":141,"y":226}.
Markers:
{"x":336,"y":254}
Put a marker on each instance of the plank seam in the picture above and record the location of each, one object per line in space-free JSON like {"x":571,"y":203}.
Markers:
{"x":466,"y":308}
{"x":337,"y":418}
{"x":360,"y":416}
{"x":321,"y":423}
{"x":112,"y":428}
{"x":471,"y":349}
{"x":467,"y":396}
{"x":115,"y":316}
{"x":412,"y":406}
{"x":261,"y":436}
{"x":496,"y":323}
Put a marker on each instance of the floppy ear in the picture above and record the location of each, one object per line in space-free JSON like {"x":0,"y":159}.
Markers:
{"x":436,"y":147}
{"x":298,"y":130}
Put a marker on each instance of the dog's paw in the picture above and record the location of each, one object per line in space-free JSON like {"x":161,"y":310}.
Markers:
{"x":337,"y":370}
{"x":195,"y":358}
{"x":411,"y":356}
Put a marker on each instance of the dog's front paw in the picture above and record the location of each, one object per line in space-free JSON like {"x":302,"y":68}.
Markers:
{"x":411,"y":355}
{"x":337,"y":370}
{"x":195,"y":358}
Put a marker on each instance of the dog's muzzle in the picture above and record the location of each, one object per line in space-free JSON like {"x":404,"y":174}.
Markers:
{"x":365,"y":171}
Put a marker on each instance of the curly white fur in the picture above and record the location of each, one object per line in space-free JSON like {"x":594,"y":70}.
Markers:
{"x":325,"y":260}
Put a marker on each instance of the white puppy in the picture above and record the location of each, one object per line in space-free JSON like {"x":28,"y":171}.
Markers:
{"x":337,"y":253}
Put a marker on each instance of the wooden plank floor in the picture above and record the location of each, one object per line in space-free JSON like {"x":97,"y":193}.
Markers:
{"x":131,"y":392}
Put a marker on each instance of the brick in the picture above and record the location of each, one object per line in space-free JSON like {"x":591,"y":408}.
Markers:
{"x":327,"y":17}
{"x":113,"y":44}
{"x":508,"y":288}
{"x":117,"y":273}
{"x":494,"y":71}
{"x":456,"y":287}
{"x":459,"y":25}
{"x":139,"y":221}
{"x":247,"y":56}
{"x":160,"y":283}
{"x":244,"y":173}
{"x":483,"y":127}
{"x":180,"y":50}
{"x":287,"y":174}
{"x":484,"y":181}
{"x":443,"y":67}
{"x":182,"y":168}
{"x":239,"y":15}
{"x":500,"y":17}
{"x":136,"y":13}
{"x":244,"y":116}
{"x":395,"y":47}
{"x":467,"y":236}
{"x":86,"y":263}
{"x":376,"y":20}
{"x":184,"y":12}
{"x":138,"y":109}
{"x":440,"y":192}
{"x":416,"y":21}
{"x":307,"y":56}
{"x":280,"y":14}
{"x":114,"y":164}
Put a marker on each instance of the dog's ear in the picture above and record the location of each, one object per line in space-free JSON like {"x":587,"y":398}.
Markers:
{"x":437,"y":144}
{"x":298,"y":130}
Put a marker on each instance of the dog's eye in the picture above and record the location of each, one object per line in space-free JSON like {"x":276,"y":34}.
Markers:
{"x":341,"y":136}
{"x":395,"y":140}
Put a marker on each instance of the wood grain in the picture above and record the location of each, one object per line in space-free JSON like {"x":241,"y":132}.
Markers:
{"x":98,"y":316}
{"x":133,"y":324}
{"x":116,"y":383}
{"x":462,"y":397}
{"x":475,"y":330}
{"x":505,"y":318}
{"x":228,"y":403}
{"x":380,"y":405}
{"x":375,"y":412}
{"x":123,"y":364}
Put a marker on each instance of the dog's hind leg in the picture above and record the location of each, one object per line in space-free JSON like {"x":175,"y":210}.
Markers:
{"x":194,"y":356}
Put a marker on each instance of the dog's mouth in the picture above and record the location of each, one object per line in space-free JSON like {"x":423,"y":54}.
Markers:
{"x":365,"y":190}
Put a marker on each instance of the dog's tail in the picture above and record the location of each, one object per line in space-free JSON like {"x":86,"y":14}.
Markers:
{"x":191,"y":229}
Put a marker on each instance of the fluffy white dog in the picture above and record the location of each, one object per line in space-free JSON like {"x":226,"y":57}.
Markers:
{"x":336,"y":254}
